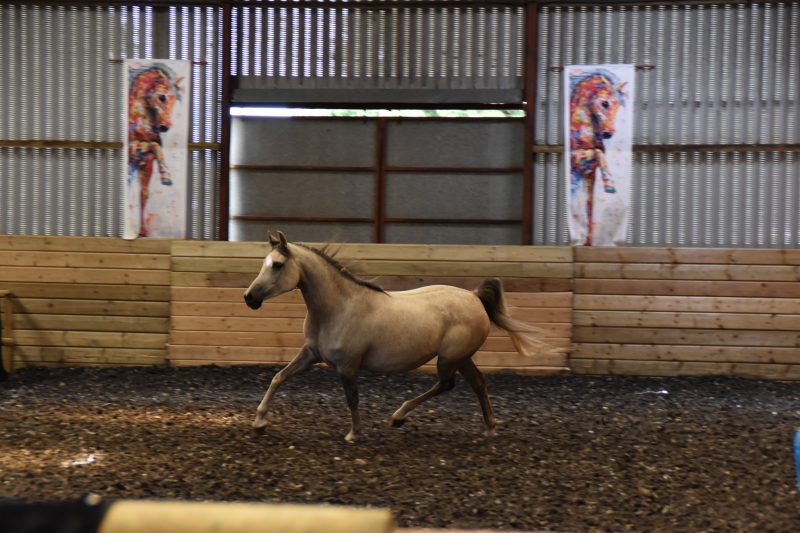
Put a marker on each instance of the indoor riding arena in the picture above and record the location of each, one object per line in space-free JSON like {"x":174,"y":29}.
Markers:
{"x":330,"y":266}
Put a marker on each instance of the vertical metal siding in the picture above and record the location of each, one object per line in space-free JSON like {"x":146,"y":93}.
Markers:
{"x":725,"y":74}
{"x":62,"y":85}
{"x":397,"y":48}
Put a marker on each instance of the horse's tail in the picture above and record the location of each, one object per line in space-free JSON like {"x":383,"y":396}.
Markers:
{"x":491,"y":295}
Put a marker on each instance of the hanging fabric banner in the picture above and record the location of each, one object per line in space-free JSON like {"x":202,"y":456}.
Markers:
{"x":155,"y":147}
{"x":598,"y":152}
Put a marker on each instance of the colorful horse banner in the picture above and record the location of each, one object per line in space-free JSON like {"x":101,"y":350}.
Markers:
{"x":599,"y":135}
{"x":156,"y":132}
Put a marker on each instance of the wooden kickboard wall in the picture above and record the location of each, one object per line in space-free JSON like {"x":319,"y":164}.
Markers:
{"x":684,"y":311}
{"x":87,"y":301}
{"x":211,"y":324}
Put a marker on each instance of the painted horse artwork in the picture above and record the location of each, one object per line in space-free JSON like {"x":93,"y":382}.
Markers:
{"x":353,"y":325}
{"x":595,"y":98}
{"x":152,"y":95}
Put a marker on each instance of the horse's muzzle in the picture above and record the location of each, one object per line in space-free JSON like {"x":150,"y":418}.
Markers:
{"x":252,"y":302}
{"x":162,"y":128}
{"x":606,"y":135}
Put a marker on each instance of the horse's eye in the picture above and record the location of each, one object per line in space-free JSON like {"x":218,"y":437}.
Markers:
{"x":277,"y":266}
{"x":605,"y":104}
{"x":164,"y":98}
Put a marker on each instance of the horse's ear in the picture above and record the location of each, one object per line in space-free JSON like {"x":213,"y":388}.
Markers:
{"x":272,"y":240}
{"x":621,"y":86}
{"x":284,"y":242}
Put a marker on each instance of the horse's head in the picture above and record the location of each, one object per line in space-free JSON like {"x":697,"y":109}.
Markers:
{"x":603,"y":95}
{"x":280,"y":273}
{"x":155,"y":90}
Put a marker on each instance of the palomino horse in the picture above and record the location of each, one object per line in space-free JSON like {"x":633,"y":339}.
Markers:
{"x":151,"y":98}
{"x":595,"y":100}
{"x":352,"y":324}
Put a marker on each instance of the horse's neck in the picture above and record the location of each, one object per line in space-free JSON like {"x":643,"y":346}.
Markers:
{"x":324,"y":289}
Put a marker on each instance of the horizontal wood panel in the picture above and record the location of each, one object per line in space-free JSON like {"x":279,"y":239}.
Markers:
{"x":686,"y":303}
{"x":268,"y":310}
{"x":391,"y":268}
{"x":648,"y":319}
{"x":704,"y":337}
{"x":724,"y":256}
{"x":649,"y":352}
{"x":84,"y":355}
{"x":687,"y":272}
{"x":85,"y":244}
{"x":762,"y":289}
{"x":88,"y":291}
{"x":91,"y":307}
{"x":397,"y":252}
{"x":98,"y":339}
{"x":389,"y":283}
{"x":84,"y":275}
{"x":134,"y":324}
{"x":84,"y":260}
{"x":680,"y":368}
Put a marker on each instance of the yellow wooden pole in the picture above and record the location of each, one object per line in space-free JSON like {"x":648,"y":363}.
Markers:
{"x":144,"y":516}
{"x":7,"y":336}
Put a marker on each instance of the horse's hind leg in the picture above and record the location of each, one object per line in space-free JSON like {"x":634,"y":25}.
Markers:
{"x":475,"y":378}
{"x":446,"y":370}
{"x":302,"y":361}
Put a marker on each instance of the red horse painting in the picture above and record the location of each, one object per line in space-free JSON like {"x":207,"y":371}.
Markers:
{"x":595,"y":98}
{"x":151,"y":97}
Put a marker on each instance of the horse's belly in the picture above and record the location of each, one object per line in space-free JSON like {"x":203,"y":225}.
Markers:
{"x":387,"y":361}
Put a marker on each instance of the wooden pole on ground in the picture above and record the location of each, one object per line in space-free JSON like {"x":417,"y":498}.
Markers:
{"x":199,"y":517}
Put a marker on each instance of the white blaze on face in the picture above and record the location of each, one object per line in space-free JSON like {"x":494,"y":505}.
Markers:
{"x":268,"y":262}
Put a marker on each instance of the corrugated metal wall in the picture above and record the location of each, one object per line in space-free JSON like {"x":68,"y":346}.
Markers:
{"x":60,"y":83}
{"x":724,"y":74}
{"x":461,"y":48}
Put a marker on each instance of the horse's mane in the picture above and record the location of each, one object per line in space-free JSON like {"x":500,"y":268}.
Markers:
{"x":574,"y":81}
{"x":137,"y":74}
{"x":340,"y":267}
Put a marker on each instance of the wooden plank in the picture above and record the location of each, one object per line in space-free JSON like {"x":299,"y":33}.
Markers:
{"x":648,"y":319}
{"x":91,"y":307}
{"x":762,"y":289}
{"x":687,"y":272}
{"x":225,"y":338}
{"x":85,"y":244}
{"x":97,"y":339}
{"x":84,"y":275}
{"x":719,"y":354}
{"x":82,"y":355}
{"x":507,"y":359}
{"x":191,"y":323}
{"x":233,"y":295}
{"x":687,"y":303}
{"x":89,"y":291}
{"x":268,"y":310}
{"x":85,"y":260}
{"x":724,"y":256}
{"x":396,"y":252}
{"x":389,"y":283}
{"x":547,"y":299}
{"x":703,"y":337}
{"x":231,"y":353}
{"x":391,"y":268}
{"x":541,"y":315}
{"x":133,"y":324}
{"x":678,"y":368}
{"x":21,"y":363}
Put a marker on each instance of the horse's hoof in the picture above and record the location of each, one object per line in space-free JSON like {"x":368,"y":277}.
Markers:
{"x":257,"y":432}
{"x":490,"y":433}
{"x":351,"y":437}
{"x":397,"y":422}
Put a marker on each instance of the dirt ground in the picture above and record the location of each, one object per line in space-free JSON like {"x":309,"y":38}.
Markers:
{"x":571,"y":453}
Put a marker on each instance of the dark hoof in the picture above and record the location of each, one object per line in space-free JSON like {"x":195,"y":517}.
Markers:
{"x":396,"y":423}
{"x":257,"y":432}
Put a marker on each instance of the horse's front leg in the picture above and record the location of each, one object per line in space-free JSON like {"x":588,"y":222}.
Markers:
{"x":350,"y":383}
{"x":162,"y":167}
{"x":304,"y":360}
{"x":608,"y":185}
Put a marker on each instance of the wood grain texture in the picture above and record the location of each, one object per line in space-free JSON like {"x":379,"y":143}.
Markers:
{"x":84,"y":355}
{"x":89,"y":291}
{"x":762,"y":289}
{"x":134,"y":324}
{"x":84,"y":275}
{"x":648,"y":319}
{"x":395,"y":252}
{"x":720,"y":354}
{"x":128,"y":261}
{"x":702,"y":304}
{"x":687,"y":272}
{"x":722,"y":256}
{"x":702,"y":337}
{"x":680,"y":368}
{"x":91,"y":307}
{"x":95,"y":339}
{"x":85,"y":244}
